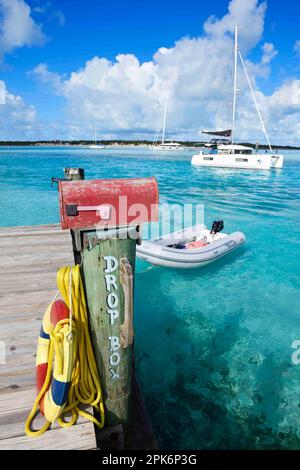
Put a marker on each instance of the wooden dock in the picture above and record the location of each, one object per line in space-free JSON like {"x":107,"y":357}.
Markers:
{"x":30,"y":258}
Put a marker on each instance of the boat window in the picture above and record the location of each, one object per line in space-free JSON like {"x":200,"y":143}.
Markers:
{"x":243,"y":152}
{"x":241,"y":159}
{"x":208,"y":158}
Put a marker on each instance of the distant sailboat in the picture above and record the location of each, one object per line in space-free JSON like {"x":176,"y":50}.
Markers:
{"x":95,"y":145}
{"x":224,"y":153}
{"x":164,"y":144}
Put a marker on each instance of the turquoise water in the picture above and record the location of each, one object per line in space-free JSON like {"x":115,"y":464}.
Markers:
{"x":213,"y":346}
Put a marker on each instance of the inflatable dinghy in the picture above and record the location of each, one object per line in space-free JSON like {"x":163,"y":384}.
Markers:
{"x":190,"y":248}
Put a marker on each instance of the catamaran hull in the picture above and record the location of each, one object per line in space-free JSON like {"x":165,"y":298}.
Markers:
{"x":249,"y":162}
{"x":151,"y":252}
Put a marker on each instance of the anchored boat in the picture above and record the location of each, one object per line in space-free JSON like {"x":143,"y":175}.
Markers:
{"x":237,"y":156}
{"x":192,"y":247}
{"x":96,"y":146}
{"x":223,"y":152}
{"x":165,"y":144}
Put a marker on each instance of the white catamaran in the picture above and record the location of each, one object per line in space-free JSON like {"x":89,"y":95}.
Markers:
{"x":223,"y":152}
{"x":165,"y":144}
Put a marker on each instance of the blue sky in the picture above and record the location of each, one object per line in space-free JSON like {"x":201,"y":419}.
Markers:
{"x":64,"y":36}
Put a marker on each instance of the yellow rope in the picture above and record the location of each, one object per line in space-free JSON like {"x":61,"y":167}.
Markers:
{"x":85,"y":383}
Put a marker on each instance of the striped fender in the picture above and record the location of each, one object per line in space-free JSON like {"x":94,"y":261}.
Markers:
{"x":56,"y":395}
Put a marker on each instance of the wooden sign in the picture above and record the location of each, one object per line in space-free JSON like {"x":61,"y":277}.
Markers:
{"x":108,"y":267}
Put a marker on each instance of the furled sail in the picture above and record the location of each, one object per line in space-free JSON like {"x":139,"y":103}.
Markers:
{"x":226,"y":133}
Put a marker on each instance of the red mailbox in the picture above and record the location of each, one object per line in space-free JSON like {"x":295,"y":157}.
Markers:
{"x":108,"y":203}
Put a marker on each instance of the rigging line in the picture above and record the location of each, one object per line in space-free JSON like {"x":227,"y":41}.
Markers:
{"x":155,"y":139}
{"x":159,"y":128}
{"x":157,"y":133}
{"x":165,"y":118}
{"x":255,"y":101}
{"x":234,"y":82}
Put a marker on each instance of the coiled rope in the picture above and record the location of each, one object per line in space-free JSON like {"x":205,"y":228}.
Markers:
{"x":85,"y":383}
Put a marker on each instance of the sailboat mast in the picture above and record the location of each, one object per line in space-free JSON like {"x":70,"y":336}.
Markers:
{"x":95,"y":134}
{"x":234,"y":81}
{"x":165,"y":119}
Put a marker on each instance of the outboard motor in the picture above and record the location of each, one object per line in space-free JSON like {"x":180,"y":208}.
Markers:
{"x":71,"y":174}
{"x":217,"y":226}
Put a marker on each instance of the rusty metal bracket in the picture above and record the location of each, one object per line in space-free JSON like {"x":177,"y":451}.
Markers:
{"x":56,"y":180}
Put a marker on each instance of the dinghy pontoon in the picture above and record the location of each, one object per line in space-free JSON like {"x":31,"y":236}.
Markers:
{"x":190,"y":248}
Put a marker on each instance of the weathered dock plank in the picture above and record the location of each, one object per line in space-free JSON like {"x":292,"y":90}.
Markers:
{"x":14,"y":409}
{"x":30,"y":229}
{"x":30,"y":258}
{"x":79,"y":437}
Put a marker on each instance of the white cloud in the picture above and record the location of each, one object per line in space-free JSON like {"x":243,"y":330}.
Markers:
{"x":297,"y":47}
{"x":269,"y":52}
{"x":17,"y":27}
{"x":247,"y":15}
{"x":58,"y":14}
{"x":43,"y":7}
{"x":2,"y":92}
{"x":17,"y":119}
{"x":124,"y":97}
{"x":44,"y":76}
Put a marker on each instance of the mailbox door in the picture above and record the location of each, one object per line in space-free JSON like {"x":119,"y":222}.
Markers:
{"x":108,"y":203}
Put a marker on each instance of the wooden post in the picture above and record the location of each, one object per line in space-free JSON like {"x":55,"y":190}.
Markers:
{"x":75,"y":174}
{"x":108,"y":267}
{"x":104,"y":217}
